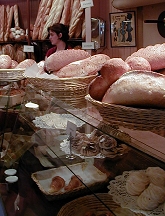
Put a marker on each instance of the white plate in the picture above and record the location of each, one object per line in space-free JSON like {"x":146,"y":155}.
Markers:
{"x":10,"y":172}
{"x":11,"y":179}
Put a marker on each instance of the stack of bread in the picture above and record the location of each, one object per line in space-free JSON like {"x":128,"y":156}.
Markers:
{"x":138,"y":81}
{"x":148,"y":186}
{"x":68,"y":12}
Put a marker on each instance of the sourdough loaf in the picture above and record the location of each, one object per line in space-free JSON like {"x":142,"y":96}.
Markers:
{"x":138,"y":88}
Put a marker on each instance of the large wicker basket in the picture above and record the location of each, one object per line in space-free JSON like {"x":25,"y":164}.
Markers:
{"x":133,"y":118}
{"x":69,"y":90}
{"x":99,"y":203}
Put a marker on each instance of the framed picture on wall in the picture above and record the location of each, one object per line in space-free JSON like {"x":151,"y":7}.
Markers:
{"x":123,"y":29}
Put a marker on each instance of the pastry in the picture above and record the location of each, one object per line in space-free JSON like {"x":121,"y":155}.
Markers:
{"x":156,"y":175}
{"x":75,"y":182}
{"x":57,"y":184}
{"x":137,"y":182}
{"x":108,"y":146}
{"x":151,"y":197}
{"x":90,"y":149}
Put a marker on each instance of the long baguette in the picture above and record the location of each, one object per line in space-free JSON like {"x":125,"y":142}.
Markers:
{"x":49,"y":21}
{"x":2,"y":17}
{"x":38,"y":19}
{"x":66,"y":14}
{"x":44,"y":17}
{"x":10,"y":18}
{"x":75,"y":21}
{"x":16,"y":19}
{"x":75,"y":8}
{"x":59,"y":9}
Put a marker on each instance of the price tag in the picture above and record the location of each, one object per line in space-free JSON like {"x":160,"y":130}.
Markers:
{"x":28,"y":48}
{"x":87,"y":45}
{"x":87,"y":3}
{"x":71,"y":129}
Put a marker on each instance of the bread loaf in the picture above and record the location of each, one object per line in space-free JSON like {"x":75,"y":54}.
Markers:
{"x":2,"y":22}
{"x":66,"y":13}
{"x":63,"y":57}
{"x":9,"y":22}
{"x":75,"y":19}
{"x":155,"y":55}
{"x":113,"y":69}
{"x":98,"y":87}
{"x":44,"y":18}
{"x":16,"y":19}
{"x":138,"y":63}
{"x":79,"y":68}
{"x":5,"y":61}
{"x":26,"y":63}
{"x":138,"y":88}
{"x":54,"y":16}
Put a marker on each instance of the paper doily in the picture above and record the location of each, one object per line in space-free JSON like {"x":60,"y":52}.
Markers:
{"x":117,"y":189}
{"x":53,"y":120}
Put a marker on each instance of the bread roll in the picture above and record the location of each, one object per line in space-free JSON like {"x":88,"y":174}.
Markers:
{"x":137,"y":88}
{"x":14,"y":64}
{"x":5,"y":61}
{"x":113,"y":69}
{"x":98,"y":87}
{"x":155,"y":55}
{"x":138,"y":63}
{"x":26,"y":63}
{"x":99,"y":59}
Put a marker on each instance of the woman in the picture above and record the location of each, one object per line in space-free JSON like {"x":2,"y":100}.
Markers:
{"x":58,"y":36}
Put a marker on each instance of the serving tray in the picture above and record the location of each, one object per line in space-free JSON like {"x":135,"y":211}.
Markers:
{"x":89,"y":174}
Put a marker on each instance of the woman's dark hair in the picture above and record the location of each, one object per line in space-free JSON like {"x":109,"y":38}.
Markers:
{"x":60,"y":28}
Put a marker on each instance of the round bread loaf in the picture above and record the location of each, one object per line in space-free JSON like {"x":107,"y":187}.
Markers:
{"x":138,"y":88}
{"x":113,"y":69}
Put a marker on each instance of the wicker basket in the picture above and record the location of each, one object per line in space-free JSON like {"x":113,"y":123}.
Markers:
{"x":69,"y":90}
{"x":133,"y":118}
{"x":93,"y":204}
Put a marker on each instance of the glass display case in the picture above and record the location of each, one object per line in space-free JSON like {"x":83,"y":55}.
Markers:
{"x":67,"y":158}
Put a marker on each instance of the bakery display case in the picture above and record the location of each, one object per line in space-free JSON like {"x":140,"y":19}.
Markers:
{"x":68,"y":155}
